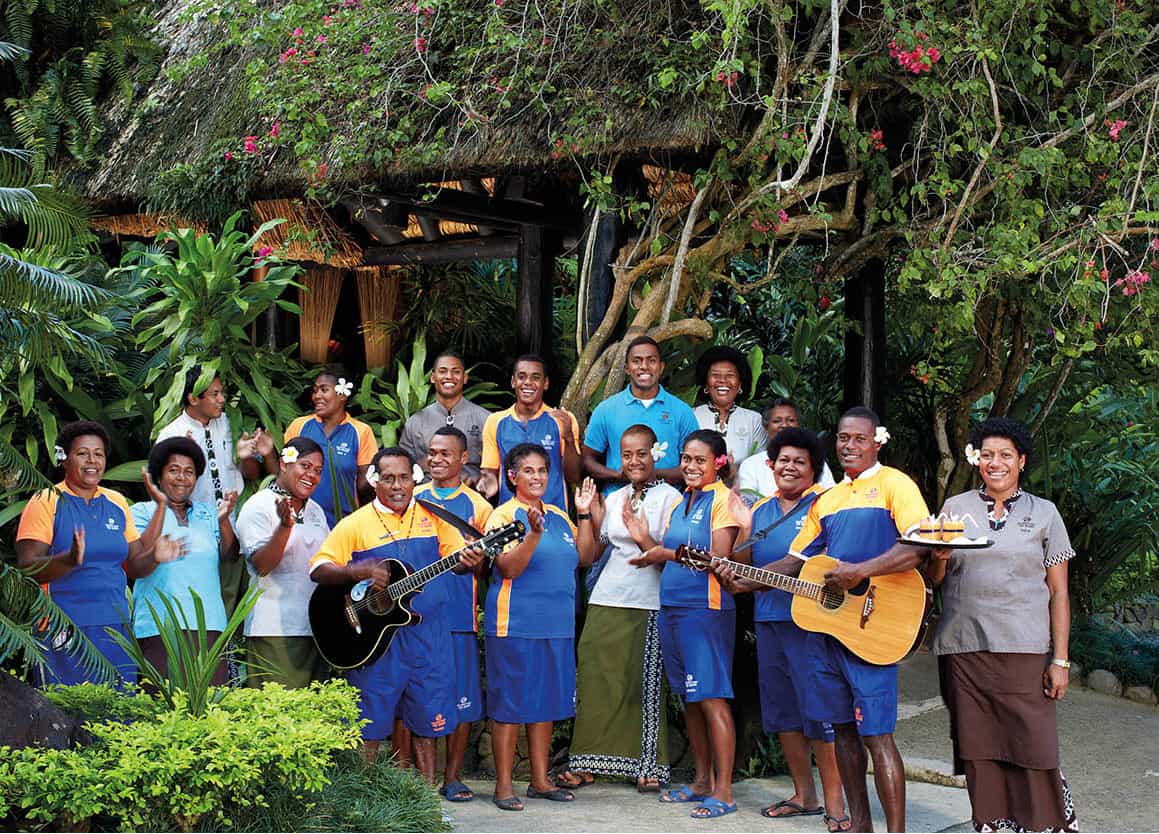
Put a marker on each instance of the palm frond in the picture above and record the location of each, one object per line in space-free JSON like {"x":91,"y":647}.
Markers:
{"x":10,"y":52}
{"x":25,"y":281}
{"x":18,"y":474}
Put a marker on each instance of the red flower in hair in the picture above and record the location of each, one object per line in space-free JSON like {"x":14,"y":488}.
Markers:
{"x":720,"y":460}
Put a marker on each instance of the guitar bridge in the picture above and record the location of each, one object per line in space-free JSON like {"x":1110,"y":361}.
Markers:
{"x":352,"y":615}
{"x":867,"y":608}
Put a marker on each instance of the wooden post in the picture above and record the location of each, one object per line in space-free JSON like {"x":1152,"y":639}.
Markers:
{"x":865,"y":350}
{"x":533,"y":296}
{"x":601,"y":281}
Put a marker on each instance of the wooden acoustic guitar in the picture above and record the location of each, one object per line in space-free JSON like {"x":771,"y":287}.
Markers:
{"x":354,"y":624}
{"x":881,"y":620}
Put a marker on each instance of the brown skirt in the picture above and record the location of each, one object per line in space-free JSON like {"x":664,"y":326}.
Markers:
{"x":1005,"y":736}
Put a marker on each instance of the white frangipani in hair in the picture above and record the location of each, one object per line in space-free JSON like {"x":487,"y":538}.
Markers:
{"x":659,"y":450}
{"x":59,"y":454}
{"x":417,"y":473}
{"x":881,"y":435}
{"x":289,"y":454}
{"x":372,"y":475}
{"x":973,"y":456}
{"x":344,"y":388}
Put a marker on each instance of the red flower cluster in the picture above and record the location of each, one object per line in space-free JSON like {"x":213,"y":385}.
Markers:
{"x":1133,"y":282}
{"x":763,"y":228}
{"x":420,"y":45}
{"x":917,"y":60}
{"x":727,"y":78}
{"x":251,"y":144}
{"x":876,"y":140}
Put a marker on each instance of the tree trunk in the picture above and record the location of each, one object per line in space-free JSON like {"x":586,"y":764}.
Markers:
{"x":31,"y":720}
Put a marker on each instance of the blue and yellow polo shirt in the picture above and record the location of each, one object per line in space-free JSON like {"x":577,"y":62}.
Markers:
{"x":94,"y":593}
{"x":692,"y":523}
{"x":861,"y":518}
{"x":472,"y":507}
{"x":540,"y":602}
{"x":772,"y":605}
{"x":351,"y":446}
{"x":416,"y":538}
{"x":503,"y":431}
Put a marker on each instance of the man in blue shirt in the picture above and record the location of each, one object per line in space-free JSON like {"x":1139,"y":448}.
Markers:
{"x":643,"y":401}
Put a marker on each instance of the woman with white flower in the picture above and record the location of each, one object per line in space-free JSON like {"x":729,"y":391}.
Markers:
{"x":1003,"y":637}
{"x":348,"y":445}
{"x":620,"y":727}
{"x":280,"y":528}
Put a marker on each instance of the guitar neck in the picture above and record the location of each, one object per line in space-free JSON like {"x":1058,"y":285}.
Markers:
{"x":416,"y":580}
{"x":780,"y":581}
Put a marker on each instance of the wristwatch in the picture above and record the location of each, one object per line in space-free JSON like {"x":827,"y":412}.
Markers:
{"x":583,"y":516}
{"x":1058,"y":661}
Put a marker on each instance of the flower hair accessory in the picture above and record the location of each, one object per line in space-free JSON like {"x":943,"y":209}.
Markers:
{"x":659,"y":450}
{"x":417,"y":473}
{"x":344,"y":388}
{"x":720,"y":460}
{"x":289,"y":454}
{"x":973,"y":456}
{"x":372,"y":475}
{"x":59,"y":454}
{"x":881,"y":435}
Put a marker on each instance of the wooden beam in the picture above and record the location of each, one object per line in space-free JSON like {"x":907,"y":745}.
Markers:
{"x":473,"y":185}
{"x":447,"y":250}
{"x":509,"y":215}
{"x":430,"y":227}
{"x":372,"y":220}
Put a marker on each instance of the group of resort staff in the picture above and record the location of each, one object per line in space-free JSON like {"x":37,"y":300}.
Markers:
{"x":651,"y":474}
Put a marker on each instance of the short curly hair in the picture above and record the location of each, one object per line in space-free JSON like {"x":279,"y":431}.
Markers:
{"x":163,"y":450}
{"x":724,"y":353}
{"x":799,"y":438}
{"x":1014,"y":431}
{"x":80,"y":428}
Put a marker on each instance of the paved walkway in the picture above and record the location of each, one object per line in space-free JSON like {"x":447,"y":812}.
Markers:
{"x":1110,"y":755}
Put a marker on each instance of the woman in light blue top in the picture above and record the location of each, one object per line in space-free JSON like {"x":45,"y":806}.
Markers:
{"x":187,"y":540}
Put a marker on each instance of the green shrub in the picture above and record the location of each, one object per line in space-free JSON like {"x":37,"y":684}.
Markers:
{"x":179,"y":771}
{"x":101,"y":702}
{"x":1134,"y":661}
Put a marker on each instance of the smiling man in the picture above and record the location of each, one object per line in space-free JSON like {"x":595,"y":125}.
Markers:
{"x":449,"y":377}
{"x":414,"y":676}
{"x":643,"y":402}
{"x":856,"y":521}
{"x":531,"y":421}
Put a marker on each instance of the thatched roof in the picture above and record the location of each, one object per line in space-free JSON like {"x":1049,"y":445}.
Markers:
{"x":179,"y":114}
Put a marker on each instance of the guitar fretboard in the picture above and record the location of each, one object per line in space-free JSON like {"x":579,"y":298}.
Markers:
{"x":780,"y":581}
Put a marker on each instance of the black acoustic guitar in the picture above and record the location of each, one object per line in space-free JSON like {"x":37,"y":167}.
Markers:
{"x":353,"y":623}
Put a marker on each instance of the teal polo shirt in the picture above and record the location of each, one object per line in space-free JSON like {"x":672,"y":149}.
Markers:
{"x":668,"y":416}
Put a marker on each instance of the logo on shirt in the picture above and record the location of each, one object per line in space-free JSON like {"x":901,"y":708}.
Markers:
{"x":871,"y":492}
{"x":698,"y":516}
{"x":342,"y":448}
{"x":111,"y":524}
{"x":857,"y":715}
{"x":665,"y":417}
{"x":567,"y":538}
{"x":475,"y":431}
{"x":439,"y":724}
{"x":548,"y":442}
{"x":1025,"y":524}
{"x":464,"y":703}
{"x":690,"y":685}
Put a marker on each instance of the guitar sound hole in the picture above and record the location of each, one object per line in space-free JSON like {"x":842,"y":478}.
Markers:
{"x":831,"y":600}
{"x":379,"y":603}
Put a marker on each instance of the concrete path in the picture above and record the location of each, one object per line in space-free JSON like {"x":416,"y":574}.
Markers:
{"x":1110,"y":755}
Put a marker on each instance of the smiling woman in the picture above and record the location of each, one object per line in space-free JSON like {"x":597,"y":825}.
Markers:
{"x":280,"y":528}
{"x":723,"y":376}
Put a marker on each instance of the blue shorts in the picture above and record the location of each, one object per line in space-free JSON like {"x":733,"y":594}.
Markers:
{"x":414,"y":680}
{"x":66,"y":669}
{"x":697,"y":647}
{"x":468,"y":681}
{"x":783,"y":670}
{"x":530,"y":680}
{"x":847,"y":690}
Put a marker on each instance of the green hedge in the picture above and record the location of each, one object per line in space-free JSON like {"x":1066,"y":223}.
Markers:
{"x":257,"y":758}
{"x":1134,"y":661}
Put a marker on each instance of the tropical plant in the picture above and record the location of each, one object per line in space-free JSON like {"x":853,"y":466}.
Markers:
{"x":192,"y":659}
{"x":199,"y":303}
{"x":30,"y":622}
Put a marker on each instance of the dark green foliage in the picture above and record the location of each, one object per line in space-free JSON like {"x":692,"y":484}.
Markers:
{"x":1134,"y":661}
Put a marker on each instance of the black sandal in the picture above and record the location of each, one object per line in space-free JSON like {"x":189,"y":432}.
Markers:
{"x":555,"y":795}
{"x":511,"y":803}
{"x":838,"y":821}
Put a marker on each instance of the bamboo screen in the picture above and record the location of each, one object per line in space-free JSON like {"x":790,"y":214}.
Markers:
{"x":378,"y":296}
{"x":318,"y":299}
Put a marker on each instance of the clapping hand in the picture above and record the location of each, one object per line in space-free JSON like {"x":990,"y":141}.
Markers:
{"x":76,"y":553}
{"x":226,"y":504}
{"x":263,"y":443}
{"x":488,"y":485}
{"x":154,"y":492}
{"x":585,"y":496}
{"x":168,"y":550}
{"x":285,"y":507}
{"x":636,"y":523}
{"x":535,"y":520}
{"x":246,"y":446}
{"x":657,"y":555}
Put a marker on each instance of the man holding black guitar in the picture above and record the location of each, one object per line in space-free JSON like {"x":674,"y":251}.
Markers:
{"x":380,"y":559}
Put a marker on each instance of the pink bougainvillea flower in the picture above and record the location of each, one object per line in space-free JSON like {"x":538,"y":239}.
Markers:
{"x":228,"y":156}
{"x":782,"y":216}
{"x":287,"y":55}
{"x":825,"y":302}
{"x":276,"y":129}
{"x":763,"y":228}
{"x":366,"y":49}
{"x":420,"y":45}
{"x":1115,"y":127}
{"x":1155,"y":244}
{"x":251,"y":144}
{"x":320,"y":39}
{"x":499,"y":3}
{"x":297,"y":33}
{"x":877,"y":140}
{"x":264,"y":252}
{"x":325,"y":20}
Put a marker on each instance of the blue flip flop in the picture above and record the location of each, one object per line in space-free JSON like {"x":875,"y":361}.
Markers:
{"x":454,"y":792}
{"x":715,"y":809}
{"x":682,"y":794}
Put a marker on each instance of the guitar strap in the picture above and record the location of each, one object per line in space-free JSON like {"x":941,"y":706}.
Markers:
{"x":764,"y":532}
